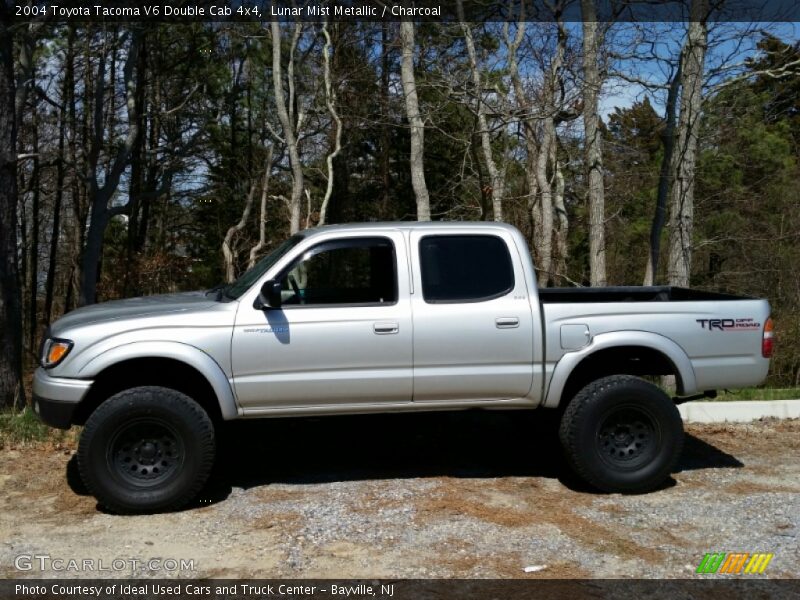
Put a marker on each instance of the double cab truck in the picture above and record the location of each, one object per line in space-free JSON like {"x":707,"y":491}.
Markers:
{"x":389,"y":317}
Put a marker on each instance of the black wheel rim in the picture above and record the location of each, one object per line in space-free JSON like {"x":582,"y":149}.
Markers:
{"x":628,"y":437}
{"x":146,"y":452}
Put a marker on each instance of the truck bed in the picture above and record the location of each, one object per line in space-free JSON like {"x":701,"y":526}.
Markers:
{"x":577,"y":295}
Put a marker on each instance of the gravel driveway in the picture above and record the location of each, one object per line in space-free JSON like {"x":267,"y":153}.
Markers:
{"x":402,"y":496}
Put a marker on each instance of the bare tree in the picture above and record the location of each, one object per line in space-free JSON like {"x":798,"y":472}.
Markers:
{"x":11,"y":390}
{"x":716,"y":58}
{"x":562,"y":219}
{"x":685,"y":157}
{"x":228,"y":254}
{"x":330,"y":103}
{"x":385,"y":138}
{"x":100,"y":196}
{"x":664,"y":178}
{"x":289,"y":126}
{"x":496,"y":175}
{"x":541,"y":106}
{"x":546,"y":166}
{"x":67,"y":88}
{"x":593,"y":143}
{"x":262,"y":219}
{"x":415,"y":121}
{"x":27,"y":36}
{"x":529,"y":132}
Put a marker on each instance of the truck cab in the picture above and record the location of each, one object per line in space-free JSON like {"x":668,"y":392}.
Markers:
{"x":434,"y":317}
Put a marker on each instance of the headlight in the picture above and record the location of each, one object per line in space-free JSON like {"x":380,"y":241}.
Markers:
{"x":54,"y":350}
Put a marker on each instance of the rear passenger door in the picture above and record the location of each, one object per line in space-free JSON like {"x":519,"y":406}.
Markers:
{"x":473,"y":330}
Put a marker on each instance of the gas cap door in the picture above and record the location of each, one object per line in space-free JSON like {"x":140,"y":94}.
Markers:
{"x":575,"y":336}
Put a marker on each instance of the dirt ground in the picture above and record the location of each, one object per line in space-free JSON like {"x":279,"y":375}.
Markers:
{"x":439,"y":495}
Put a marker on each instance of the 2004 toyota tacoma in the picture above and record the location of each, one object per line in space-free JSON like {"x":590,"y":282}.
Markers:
{"x":381,"y":318}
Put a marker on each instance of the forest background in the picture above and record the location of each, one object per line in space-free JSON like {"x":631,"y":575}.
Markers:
{"x":146,"y":158}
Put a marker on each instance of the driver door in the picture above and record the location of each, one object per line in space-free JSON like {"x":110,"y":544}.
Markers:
{"x":341,"y":336}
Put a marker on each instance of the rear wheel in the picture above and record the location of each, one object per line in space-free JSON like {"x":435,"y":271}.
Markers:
{"x":622,"y":434}
{"x":146,"y":449}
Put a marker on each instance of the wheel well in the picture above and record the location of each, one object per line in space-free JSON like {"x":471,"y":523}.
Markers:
{"x":623,"y":360}
{"x":135,"y":372}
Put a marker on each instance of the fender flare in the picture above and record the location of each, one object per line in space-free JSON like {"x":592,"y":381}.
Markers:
{"x":616,"y":339}
{"x":190,"y":355}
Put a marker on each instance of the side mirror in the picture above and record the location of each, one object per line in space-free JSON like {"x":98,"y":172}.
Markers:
{"x":270,"y":296}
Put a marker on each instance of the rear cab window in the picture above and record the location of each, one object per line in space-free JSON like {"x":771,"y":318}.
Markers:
{"x":464,"y":268}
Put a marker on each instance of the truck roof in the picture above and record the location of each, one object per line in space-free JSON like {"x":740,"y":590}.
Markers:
{"x":410,"y":225}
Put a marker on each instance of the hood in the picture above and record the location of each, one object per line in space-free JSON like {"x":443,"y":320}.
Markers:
{"x":146,"y":306}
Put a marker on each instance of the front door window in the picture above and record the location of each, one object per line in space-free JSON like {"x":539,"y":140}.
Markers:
{"x":346,"y":272}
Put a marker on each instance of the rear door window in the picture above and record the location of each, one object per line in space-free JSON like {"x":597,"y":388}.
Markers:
{"x":464,"y":268}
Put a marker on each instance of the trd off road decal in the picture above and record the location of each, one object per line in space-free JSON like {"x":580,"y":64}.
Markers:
{"x":730,"y":324}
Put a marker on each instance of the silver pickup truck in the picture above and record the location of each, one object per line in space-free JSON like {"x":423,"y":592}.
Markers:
{"x":386,"y":317}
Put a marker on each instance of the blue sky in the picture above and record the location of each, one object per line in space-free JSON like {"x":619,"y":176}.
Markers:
{"x":730,"y":45}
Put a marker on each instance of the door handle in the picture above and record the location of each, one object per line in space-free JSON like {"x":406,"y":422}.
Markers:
{"x":506,"y":322}
{"x":385,"y":328}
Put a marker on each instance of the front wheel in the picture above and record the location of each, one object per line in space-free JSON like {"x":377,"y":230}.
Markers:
{"x":146,"y":449}
{"x":622,"y":434}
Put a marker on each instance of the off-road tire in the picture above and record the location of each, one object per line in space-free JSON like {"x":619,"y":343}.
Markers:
{"x":622,"y":434}
{"x":146,"y":449}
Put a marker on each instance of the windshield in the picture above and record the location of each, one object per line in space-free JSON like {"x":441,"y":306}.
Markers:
{"x":249,"y":277}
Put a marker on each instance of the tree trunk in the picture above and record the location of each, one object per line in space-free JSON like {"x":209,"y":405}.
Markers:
{"x":534,"y":204}
{"x":540,"y":144}
{"x":415,"y":122}
{"x":496,"y":177}
{"x":330,"y":103}
{"x":67,"y":89}
{"x":664,"y":179}
{"x":80,"y":150}
{"x":545,"y":163}
{"x":99,"y":196}
{"x":385,"y":134}
{"x":33,"y":267}
{"x":593,"y":144}
{"x":262,"y":220}
{"x":153,"y":190}
{"x":682,"y":195}
{"x":288,"y":126}
{"x":562,"y":227}
{"x":483,"y":186}
{"x":25,"y":58}
{"x":57,"y":201}
{"x":544,"y":231}
{"x":228,"y":254}
{"x":532,"y":189}
{"x":136,"y":187}
{"x":11,"y":390}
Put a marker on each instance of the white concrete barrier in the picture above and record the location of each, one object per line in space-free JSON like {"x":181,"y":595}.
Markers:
{"x":739,"y":411}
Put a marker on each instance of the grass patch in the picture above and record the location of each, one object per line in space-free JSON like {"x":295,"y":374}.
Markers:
{"x":757,"y":394}
{"x":19,"y":427}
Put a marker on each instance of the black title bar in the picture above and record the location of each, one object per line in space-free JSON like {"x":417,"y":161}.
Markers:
{"x":388,"y":589}
{"x":177,"y":11}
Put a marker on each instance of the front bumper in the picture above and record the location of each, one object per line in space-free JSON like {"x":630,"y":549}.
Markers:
{"x":56,"y":398}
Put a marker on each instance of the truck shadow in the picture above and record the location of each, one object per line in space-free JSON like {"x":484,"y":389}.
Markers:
{"x":465,"y":444}
{"x":698,"y":454}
